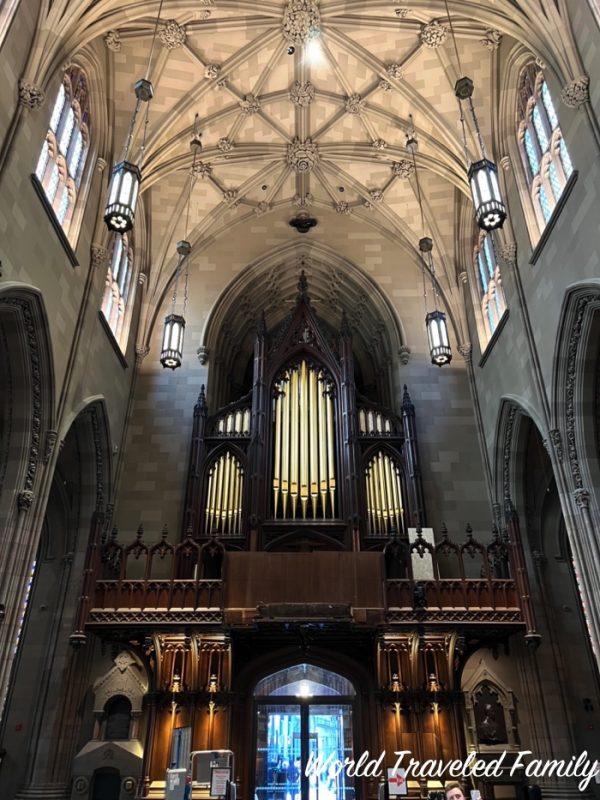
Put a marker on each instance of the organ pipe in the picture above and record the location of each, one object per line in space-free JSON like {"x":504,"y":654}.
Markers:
{"x":224,"y":496}
{"x":384,"y":495}
{"x":304,"y":449}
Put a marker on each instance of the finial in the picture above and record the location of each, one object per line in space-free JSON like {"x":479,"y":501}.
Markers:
{"x":113,"y":534}
{"x":303,"y":287}
{"x":140,"y":532}
{"x":407,"y":404}
{"x":469,"y":531}
{"x":444,"y":531}
{"x":261,"y":325}
{"x":189,"y":532}
{"x":165,"y":533}
{"x":345,"y":329}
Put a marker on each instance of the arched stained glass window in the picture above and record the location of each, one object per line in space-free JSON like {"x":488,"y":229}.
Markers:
{"x":491,"y":293}
{"x":64,"y":151}
{"x":547,"y":164}
{"x":118,"y":289}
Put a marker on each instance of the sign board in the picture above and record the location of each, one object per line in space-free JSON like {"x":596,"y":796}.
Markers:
{"x":175,"y":784}
{"x":219,"y":778}
{"x":205,"y":760}
{"x":396,"y":779}
{"x":422,"y":567}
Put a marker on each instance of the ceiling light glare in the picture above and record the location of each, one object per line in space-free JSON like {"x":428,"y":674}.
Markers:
{"x":313,"y":52}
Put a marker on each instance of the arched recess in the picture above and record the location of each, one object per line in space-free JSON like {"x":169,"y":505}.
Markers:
{"x":27,"y":398}
{"x":269,"y":284}
{"x":575,"y":387}
{"x":47,"y":614}
{"x":533,"y":511}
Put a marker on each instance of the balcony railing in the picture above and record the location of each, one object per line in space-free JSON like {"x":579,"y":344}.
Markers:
{"x":407,"y":584}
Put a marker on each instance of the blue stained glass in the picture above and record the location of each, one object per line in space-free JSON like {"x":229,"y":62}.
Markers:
{"x":549,"y":105}
{"x":545,"y":204}
{"x":565,"y":159}
{"x":58,"y":107}
{"x":540,"y":130}
{"x":491,"y":320}
{"x":554,"y":180}
{"x":482,"y":272}
{"x":42,"y":161}
{"x":532,"y":157}
{"x":489,"y":257}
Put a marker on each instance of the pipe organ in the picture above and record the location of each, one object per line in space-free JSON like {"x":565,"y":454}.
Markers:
{"x":303,"y":456}
{"x":384,"y":495}
{"x":304,"y":451}
{"x":224,"y":496}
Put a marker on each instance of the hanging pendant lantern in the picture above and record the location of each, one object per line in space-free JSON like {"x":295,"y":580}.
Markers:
{"x":122,"y":197}
{"x":125,"y":180}
{"x":437,"y":336}
{"x":172,"y":345}
{"x":490,"y":211}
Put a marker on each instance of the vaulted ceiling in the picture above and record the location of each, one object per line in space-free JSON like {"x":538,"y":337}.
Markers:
{"x":303,"y":107}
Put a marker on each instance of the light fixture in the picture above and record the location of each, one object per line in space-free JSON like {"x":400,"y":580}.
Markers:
{"x":171,"y":354}
{"x":490,"y":210}
{"x":123,"y":189}
{"x":440,"y":351}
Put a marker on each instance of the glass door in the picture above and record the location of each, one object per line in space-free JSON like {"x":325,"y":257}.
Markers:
{"x":303,"y":711}
{"x":278,"y":752}
{"x":330,"y":737}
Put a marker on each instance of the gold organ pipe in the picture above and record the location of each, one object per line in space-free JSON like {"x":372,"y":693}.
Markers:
{"x":294,"y":442}
{"x":369,"y":499}
{"x":330,"y":454}
{"x":314,"y":442}
{"x":277,"y":454}
{"x":285,"y":443}
{"x":322,"y":448}
{"x":303,"y":432}
{"x":226,"y":468}
{"x":210,"y":505}
{"x":231,"y":498}
{"x":238,"y":502}
{"x":396,"y":491}
{"x":388,"y":489}
{"x":219,"y":495}
{"x":378,"y":498}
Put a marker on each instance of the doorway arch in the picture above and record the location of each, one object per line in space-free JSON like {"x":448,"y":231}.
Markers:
{"x":303,"y":716}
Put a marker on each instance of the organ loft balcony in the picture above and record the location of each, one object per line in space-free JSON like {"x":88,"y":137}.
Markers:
{"x":410,"y":583}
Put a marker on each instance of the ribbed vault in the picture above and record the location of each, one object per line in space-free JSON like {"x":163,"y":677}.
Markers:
{"x":322,"y":127}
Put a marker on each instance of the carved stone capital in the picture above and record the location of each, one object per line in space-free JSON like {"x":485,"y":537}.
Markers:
{"x":404,"y":354}
{"x":100,"y":164}
{"x":505,"y":163}
{"x":508,"y":254}
{"x":140,"y":354}
{"x":492,"y":39}
{"x":466,"y":351}
{"x":51,"y":437}
{"x":99,"y":256}
{"x":142,"y":279}
{"x":582,"y":498}
{"x":30,"y":95}
{"x":202,"y":353}
{"x":556,"y":441}
{"x":463,"y":277}
{"x":577,"y":92}
{"x":24,"y":500}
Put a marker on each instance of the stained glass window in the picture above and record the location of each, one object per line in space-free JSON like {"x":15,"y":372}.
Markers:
{"x":491,"y":293}
{"x":117,"y":298}
{"x":62,"y":157}
{"x":547,"y":162}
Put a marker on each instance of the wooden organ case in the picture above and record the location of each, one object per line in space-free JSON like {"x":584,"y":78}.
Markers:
{"x":303,"y":461}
